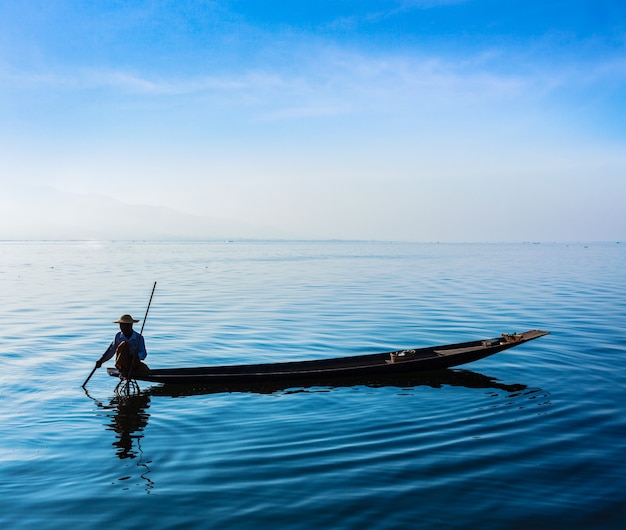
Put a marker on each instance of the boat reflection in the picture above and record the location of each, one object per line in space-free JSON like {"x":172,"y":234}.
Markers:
{"x":434,"y":379}
{"x":128,"y":415}
{"x":127,"y":411}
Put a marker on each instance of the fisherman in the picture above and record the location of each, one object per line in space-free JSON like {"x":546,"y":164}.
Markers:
{"x":129,"y":349}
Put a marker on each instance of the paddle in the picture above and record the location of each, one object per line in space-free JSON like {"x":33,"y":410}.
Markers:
{"x":92,"y":372}
{"x":130,"y":371}
{"x":142,"y":325}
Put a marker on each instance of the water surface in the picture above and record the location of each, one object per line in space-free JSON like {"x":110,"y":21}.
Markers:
{"x":531,"y":436}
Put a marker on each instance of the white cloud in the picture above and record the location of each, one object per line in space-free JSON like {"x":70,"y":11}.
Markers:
{"x":329,"y":73}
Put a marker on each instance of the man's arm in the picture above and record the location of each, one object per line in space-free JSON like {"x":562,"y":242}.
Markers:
{"x":141,"y":349}
{"x":106,"y":355}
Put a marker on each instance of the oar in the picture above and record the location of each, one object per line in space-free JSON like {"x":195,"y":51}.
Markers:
{"x":148,"y":308}
{"x":144,"y":323}
{"x":130,"y":371}
{"x":92,"y":372}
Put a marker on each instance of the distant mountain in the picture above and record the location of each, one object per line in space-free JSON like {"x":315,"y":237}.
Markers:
{"x":44,"y":213}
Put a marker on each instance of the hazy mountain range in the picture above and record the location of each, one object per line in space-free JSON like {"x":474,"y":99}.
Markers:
{"x":45,"y":213}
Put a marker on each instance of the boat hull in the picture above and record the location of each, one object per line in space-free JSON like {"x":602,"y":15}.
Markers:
{"x":326,"y":370}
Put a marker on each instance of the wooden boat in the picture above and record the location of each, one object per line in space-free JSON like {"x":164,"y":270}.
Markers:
{"x":321,"y":370}
{"x":371,"y":365}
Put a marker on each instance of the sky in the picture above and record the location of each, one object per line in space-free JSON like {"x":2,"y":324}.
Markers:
{"x":416,"y":120}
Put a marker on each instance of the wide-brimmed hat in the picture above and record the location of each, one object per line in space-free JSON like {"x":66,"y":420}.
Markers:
{"x":125,"y":319}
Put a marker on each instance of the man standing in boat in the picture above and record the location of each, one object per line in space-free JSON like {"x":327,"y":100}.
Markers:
{"x":129,"y":349}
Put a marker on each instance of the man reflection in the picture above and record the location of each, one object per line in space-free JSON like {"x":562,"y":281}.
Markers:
{"x":129,"y":421}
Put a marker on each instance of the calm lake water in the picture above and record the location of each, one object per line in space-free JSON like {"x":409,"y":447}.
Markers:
{"x":533,"y":437}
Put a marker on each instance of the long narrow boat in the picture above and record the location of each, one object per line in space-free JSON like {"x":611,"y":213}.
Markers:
{"x":361,"y":366}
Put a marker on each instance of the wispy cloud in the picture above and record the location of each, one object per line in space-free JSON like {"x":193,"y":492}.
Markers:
{"x":330,"y":81}
{"x":128,"y":82}
{"x":331,"y":72}
{"x":393,"y":9}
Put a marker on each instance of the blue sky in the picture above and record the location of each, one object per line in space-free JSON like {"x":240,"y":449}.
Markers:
{"x":427,"y":120}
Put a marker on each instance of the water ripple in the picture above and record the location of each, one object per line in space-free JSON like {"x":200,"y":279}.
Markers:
{"x":531,"y":437}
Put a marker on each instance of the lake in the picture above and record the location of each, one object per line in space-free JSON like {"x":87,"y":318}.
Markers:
{"x":531,"y":437}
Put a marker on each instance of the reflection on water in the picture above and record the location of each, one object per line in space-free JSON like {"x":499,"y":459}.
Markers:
{"x":127,"y":416}
{"x":434,"y":379}
{"x":128,"y":420}
{"x":126,"y":413}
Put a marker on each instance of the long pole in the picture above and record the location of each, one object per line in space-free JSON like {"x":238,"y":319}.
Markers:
{"x":147,"y":309}
{"x":89,"y":377}
{"x":142,"y":325}
{"x":130,"y":370}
